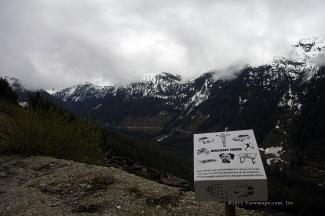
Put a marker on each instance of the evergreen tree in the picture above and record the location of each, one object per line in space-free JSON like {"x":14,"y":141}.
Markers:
{"x":6,"y":92}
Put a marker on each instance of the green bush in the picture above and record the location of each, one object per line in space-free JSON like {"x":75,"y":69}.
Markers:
{"x":48,"y":133}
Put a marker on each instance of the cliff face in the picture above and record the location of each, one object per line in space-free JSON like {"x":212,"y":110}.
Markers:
{"x":48,"y":186}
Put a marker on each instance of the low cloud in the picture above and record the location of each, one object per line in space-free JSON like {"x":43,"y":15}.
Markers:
{"x":54,"y":44}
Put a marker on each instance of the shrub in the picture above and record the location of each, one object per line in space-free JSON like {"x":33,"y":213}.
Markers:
{"x":48,"y":133}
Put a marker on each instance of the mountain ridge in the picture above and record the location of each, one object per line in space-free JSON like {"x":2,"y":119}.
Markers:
{"x":301,"y":63}
{"x":272,"y":99}
{"x":269,"y":98}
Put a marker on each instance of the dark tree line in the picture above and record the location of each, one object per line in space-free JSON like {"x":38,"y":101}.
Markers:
{"x":6,"y":92}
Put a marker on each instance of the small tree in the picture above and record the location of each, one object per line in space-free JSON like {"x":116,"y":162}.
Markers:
{"x":6,"y":92}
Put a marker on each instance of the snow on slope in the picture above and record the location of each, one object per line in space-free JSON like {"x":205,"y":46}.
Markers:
{"x":201,"y":94}
{"x":301,"y":63}
{"x":162,"y":85}
{"x":80,"y":92}
{"x":303,"y":59}
{"x":309,"y":49}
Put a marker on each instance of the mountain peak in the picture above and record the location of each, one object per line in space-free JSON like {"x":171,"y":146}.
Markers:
{"x":86,"y":83}
{"x":309,"y":49}
{"x":303,"y":60}
{"x":168,"y":76}
{"x":308,"y":43}
{"x":81,"y":91}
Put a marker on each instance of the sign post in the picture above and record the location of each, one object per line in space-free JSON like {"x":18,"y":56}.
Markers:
{"x":230,"y":209}
{"x":228,"y":167}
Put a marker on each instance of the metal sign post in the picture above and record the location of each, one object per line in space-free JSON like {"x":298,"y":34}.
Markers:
{"x":228,"y":167}
{"x":230,"y":210}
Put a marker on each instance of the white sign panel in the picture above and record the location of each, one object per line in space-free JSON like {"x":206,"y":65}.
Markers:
{"x":228,"y":166}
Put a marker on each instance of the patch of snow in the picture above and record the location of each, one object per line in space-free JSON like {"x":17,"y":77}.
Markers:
{"x":199,"y":97}
{"x":269,"y":161}
{"x":162,"y":113}
{"x":303,"y":60}
{"x":52,"y":91}
{"x":23,"y":104}
{"x":274,"y":150}
{"x":96,"y":107}
{"x":274,"y":154}
{"x":77,"y":99}
{"x":242,"y":103}
{"x":162,"y":138}
{"x":290,"y":99}
{"x":277,"y":126}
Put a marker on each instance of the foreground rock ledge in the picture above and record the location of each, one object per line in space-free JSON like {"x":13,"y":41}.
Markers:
{"x":48,"y":186}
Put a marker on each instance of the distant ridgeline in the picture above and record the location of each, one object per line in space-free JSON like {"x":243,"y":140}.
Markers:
{"x":276,"y":102}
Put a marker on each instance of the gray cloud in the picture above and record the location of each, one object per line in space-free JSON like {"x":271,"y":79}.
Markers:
{"x":54,"y":44}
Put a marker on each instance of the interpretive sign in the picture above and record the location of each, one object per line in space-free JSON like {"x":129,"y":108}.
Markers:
{"x":228,"y":167}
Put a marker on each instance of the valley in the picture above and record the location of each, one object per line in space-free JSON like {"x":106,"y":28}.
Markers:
{"x":152,"y":122}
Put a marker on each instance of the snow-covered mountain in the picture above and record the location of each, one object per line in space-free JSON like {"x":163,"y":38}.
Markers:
{"x":302,"y":64}
{"x":270,"y":98}
{"x":304,"y":58}
{"x":164,"y":86}
{"x":81,"y":92}
{"x":283,"y":101}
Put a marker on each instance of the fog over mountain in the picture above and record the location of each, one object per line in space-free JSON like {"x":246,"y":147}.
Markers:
{"x":55,"y":44}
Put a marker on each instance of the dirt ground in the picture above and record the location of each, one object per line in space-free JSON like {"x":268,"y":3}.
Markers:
{"x":48,"y":186}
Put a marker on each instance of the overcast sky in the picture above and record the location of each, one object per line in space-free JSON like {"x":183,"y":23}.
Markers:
{"x":57,"y":43}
